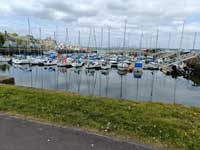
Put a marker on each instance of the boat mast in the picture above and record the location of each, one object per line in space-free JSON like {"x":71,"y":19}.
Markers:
{"x":54,"y":36}
{"x":124,"y":41}
{"x":89,"y":37}
{"x":56,"y":33}
{"x":101,"y":38}
{"x":40,"y":33}
{"x":169,"y":41}
{"x":109,"y":38}
{"x":194,"y":42}
{"x":157,"y":34}
{"x":95,"y":40}
{"x":29,"y":27}
{"x":79,"y":38}
{"x":67,"y":37}
{"x":29,"y":32}
{"x":181,"y":41}
{"x":150,"y":43}
{"x":40,"y":38}
{"x":141,"y":39}
{"x":140,"y":46}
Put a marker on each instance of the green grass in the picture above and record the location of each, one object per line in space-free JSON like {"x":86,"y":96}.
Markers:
{"x":154,"y":123}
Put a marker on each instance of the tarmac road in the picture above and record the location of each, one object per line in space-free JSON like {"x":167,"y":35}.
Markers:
{"x":19,"y":134}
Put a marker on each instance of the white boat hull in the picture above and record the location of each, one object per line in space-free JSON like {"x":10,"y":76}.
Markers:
{"x":4,"y":59}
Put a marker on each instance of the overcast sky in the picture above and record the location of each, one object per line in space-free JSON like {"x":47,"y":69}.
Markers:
{"x":145,"y":16}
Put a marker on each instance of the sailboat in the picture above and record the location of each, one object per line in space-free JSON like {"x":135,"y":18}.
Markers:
{"x":64,"y":63}
{"x":77,"y":64}
{"x":20,"y":60}
{"x":105,"y":65}
{"x":36,"y":61}
{"x":91,"y":64}
{"x":122,"y":66}
{"x":50,"y":62}
{"x":4,"y":59}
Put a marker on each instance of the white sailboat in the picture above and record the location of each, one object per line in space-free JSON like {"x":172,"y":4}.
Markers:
{"x":50,"y":63}
{"x":122,"y":66}
{"x":20,"y":61}
{"x":65,"y":63}
{"x":77,"y":64}
{"x":4,"y":59}
{"x":105,"y":66}
{"x":36,"y":61}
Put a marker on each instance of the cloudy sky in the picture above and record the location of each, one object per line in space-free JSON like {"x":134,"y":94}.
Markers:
{"x":145,"y":16}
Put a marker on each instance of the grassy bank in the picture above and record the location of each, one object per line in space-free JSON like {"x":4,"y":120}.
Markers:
{"x":176,"y":126}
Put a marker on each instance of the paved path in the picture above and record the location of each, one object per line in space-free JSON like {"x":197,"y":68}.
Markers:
{"x":17,"y":134}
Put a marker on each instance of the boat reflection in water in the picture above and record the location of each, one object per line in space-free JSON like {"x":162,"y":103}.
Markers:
{"x":122,"y":73}
{"x":142,"y":85}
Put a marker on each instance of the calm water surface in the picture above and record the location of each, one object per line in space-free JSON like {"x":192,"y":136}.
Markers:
{"x":155,"y":87}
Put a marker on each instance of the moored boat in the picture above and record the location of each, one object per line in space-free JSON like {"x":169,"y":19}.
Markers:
{"x":122,"y":66}
{"x":50,"y":62}
{"x":4,"y":59}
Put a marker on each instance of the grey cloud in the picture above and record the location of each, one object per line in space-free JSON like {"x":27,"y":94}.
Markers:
{"x":73,"y":9}
{"x":146,"y":15}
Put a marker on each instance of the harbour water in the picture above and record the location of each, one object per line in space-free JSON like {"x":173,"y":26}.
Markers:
{"x":153,"y":86}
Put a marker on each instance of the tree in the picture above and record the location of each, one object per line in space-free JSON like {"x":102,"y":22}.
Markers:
{"x":2,"y":39}
{"x":14,"y":34}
